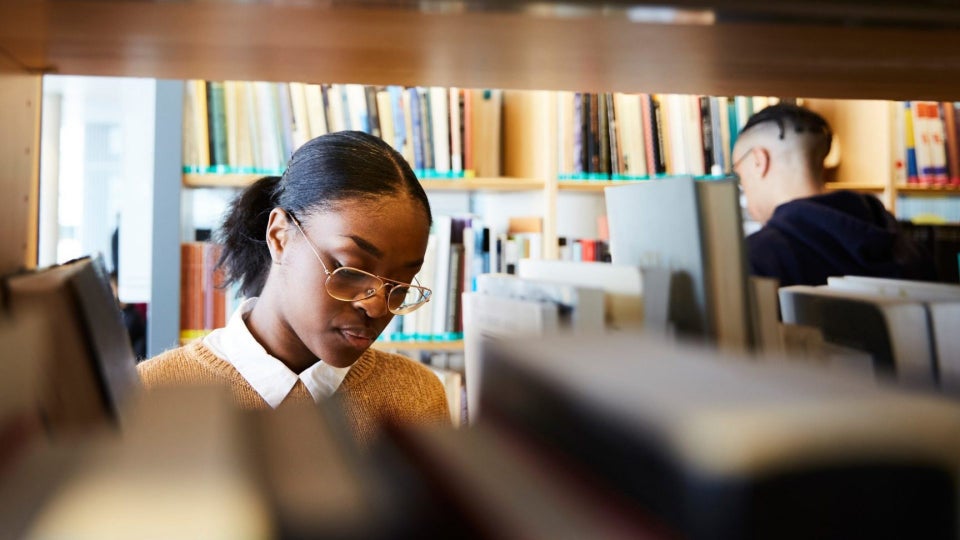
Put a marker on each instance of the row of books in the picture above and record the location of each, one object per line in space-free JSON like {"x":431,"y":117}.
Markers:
{"x":907,"y":329}
{"x":254,"y":127}
{"x":460,"y":249}
{"x":205,"y":303}
{"x":637,"y":136}
{"x":626,"y":445}
{"x":927,"y":142}
{"x":928,"y":209}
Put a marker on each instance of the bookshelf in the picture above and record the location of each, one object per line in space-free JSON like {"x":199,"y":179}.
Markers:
{"x":520,"y":46}
{"x":845,"y":50}
{"x":192,"y":180}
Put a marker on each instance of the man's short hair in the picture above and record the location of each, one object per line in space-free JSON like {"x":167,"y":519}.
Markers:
{"x":790,"y":116}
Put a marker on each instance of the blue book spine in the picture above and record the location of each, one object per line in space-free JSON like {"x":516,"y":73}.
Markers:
{"x":399,"y":122}
{"x":416,"y":122}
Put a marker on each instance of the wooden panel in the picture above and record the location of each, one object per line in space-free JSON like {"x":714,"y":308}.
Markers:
{"x":19,"y":166}
{"x":863,"y":129}
{"x":464,"y":184}
{"x":327,"y":42}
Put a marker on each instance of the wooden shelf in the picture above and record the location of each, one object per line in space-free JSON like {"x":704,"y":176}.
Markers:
{"x":592,"y":185}
{"x":430,"y":346}
{"x":197,"y":180}
{"x":856,"y":186}
{"x":462,"y":184}
{"x":725,"y":48}
{"x":483,"y":184}
{"x":928,"y":190}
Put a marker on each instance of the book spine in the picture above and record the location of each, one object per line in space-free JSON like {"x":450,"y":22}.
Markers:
{"x":373,"y":116}
{"x":416,"y":134}
{"x":456,"y":130}
{"x":440,"y":129}
{"x":469,"y":166}
{"x":217,"y":122}
{"x":285,"y":122}
{"x":950,"y":132}
{"x":706,"y":134}
{"x":913,"y":176}
{"x":579,"y":134}
{"x":426,"y":128}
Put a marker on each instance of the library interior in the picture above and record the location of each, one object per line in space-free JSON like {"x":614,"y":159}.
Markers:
{"x":484,"y":269}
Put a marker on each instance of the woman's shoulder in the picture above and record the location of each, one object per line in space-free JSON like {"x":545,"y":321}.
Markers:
{"x":190,"y":363}
{"x":398,"y":368}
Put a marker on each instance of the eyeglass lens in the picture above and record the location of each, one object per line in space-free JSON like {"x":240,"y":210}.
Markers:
{"x":351,"y":285}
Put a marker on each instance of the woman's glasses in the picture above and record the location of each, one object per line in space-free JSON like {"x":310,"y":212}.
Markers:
{"x":352,"y":284}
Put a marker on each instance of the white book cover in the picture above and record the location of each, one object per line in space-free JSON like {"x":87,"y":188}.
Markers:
{"x":456,"y":139}
{"x":896,"y":288}
{"x":443,"y":229}
{"x":357,"y":116}
{"x":440,"y":121}
{"x":336,"y":119}
{"x":268,"y":129}
{"x":638,"y":214}
{"x":631,"y":133}
{"x":315,"y":110}
{"x":693,"y":135}
{"x":385,"y":113}
{"x":301,"y":130}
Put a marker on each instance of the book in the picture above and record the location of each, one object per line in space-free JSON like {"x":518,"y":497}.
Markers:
{"x":581,"y":309}
{"x":637,"y":214}
{"x":942,"y":302}
{"x":456,"y":131}
{"x":300,"y":115}
{"x":894,"y":331}
{"x":440,"y":112}
{"x":231,"y":104}
{"x":486,"y":118}
{"x":91,"y":377}
{"x":726,"y":271}
{"x":499,"y":485}
{"x":386,"y":115}
{"x":627,"y":303}
{"x":705,"y":251}
{"x":487,"y":317}
{"x":765,"y":315}
{"x":317,"y":117}
{"x":630,"y":125}
{"x":719,"y":446}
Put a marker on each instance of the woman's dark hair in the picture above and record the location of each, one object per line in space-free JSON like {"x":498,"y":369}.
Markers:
{"x":332,"y":168}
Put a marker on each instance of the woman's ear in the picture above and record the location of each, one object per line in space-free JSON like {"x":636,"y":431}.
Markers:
{"x":278,"y":233}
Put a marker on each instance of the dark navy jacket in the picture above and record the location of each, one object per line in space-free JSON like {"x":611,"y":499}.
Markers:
{"x":835,"y":234}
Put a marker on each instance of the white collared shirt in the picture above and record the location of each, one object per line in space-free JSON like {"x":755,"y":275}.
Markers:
{"x":270,"y":377}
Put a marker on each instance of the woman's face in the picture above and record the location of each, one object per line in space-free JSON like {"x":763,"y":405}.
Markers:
{"x":386,"y":237}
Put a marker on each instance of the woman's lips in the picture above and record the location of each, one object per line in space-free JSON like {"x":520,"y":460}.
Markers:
{"x":360,"y":339}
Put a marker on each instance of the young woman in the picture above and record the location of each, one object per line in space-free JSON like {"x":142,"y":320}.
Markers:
{"x":326,"y":256}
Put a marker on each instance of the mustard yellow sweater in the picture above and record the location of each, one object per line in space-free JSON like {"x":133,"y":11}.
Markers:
{"x":380,"y":386}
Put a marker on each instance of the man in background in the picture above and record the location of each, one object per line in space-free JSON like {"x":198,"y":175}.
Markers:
{"x":809,"y":234}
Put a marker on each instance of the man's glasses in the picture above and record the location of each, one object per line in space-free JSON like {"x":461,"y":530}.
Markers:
{"x":740,"y":160}
{"x":353,"y":285}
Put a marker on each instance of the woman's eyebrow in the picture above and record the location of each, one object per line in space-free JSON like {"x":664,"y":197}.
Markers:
{"x":366,"y":245}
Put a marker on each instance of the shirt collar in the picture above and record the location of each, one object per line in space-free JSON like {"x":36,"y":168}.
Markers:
{"x":270,"y":377}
